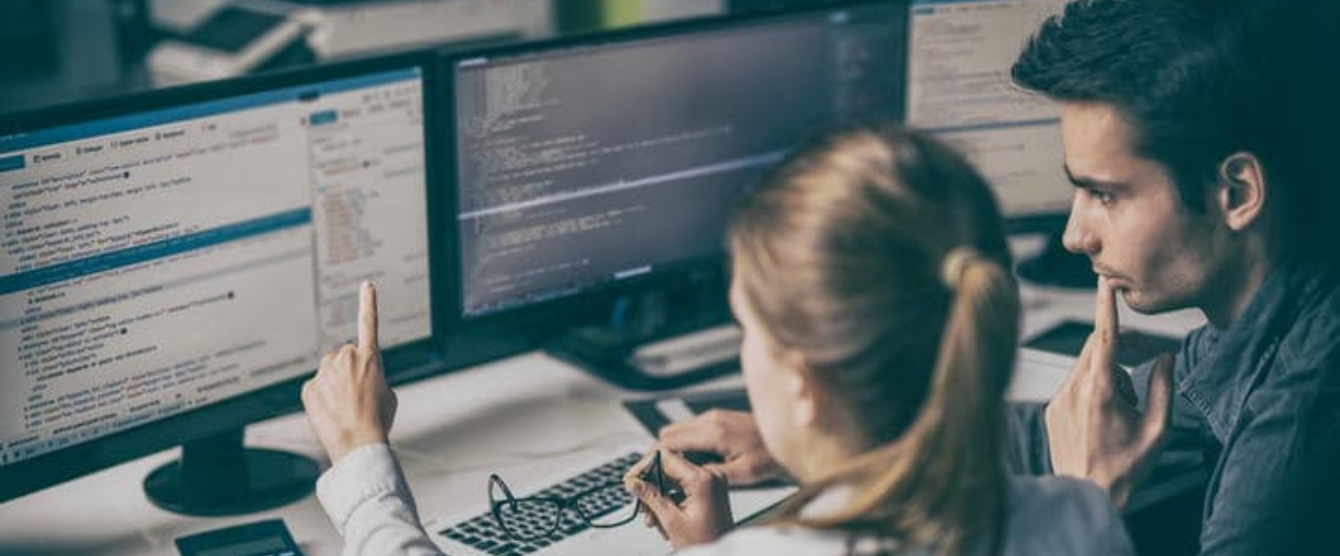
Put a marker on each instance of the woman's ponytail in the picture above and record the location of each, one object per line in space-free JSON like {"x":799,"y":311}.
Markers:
{"x":879,"y":255}
{"x":942,"y":484}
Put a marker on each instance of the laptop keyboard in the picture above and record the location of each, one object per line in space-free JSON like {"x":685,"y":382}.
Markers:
{"x":483,"y":533}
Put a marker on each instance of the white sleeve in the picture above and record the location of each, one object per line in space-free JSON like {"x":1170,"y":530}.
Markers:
{"x":751,"y":541}
{"x":369,"y":503}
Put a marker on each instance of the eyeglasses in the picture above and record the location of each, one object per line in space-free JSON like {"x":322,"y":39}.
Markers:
{"x":603,"y":506}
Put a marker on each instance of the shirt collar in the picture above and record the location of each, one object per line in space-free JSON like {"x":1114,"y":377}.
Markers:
{"x":1219,"y":382}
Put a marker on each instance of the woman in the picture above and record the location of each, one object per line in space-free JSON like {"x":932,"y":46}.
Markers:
{"x":870,"y":278}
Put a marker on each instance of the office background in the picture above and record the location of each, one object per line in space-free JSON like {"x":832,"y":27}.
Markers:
{"x":86,"y":50}
{"x":57,"y":51}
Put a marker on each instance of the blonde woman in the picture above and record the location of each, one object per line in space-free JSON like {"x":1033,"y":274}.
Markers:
{"x":870,"y":277}
{"x":871,"y":280}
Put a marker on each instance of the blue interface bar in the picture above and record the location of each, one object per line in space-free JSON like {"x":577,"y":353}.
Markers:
{"x":85,"y":130}
{"x":150,"y":251}
{"x":12,"y":163}
{"x":323,"y":117}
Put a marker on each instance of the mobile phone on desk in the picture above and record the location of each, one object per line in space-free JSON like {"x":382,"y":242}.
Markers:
{"x":262,"y":538}
{"x":233,"y":40}
{"x":1133,"y":346}
{"x":656,"y":413}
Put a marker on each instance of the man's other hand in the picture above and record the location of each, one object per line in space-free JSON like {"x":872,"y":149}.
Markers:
{"x":1094,"y":427}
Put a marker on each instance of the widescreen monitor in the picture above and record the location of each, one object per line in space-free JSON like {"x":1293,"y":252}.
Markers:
{"x":598,"y":163}
{"x":959,"y":89}
{"x":174,"y":264}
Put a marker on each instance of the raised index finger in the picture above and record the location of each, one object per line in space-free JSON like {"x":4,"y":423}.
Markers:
{"x":367,"y":317}
{"x":1105,"y":329}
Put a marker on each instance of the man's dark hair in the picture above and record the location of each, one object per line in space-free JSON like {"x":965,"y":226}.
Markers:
{"x":1199,"y":80}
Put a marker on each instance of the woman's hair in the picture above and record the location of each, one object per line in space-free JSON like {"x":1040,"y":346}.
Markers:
{"x":879,"y":255}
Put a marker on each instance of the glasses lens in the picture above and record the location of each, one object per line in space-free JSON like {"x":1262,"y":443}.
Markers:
{"x":529,"y":518}
{"x":523,"y":518}
{"x":607,"y":506}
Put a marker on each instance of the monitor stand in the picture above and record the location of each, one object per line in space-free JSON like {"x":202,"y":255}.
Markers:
{"x":218,"y":476}
{"x":654,"y":350}
{"x":1058,"y":267}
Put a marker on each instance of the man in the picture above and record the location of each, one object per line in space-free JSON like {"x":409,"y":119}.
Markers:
{"x":1199,"y":137}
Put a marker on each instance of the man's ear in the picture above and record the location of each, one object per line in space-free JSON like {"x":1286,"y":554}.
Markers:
{"x":1242,"y":190}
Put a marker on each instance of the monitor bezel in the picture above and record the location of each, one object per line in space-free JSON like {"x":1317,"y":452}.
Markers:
{"x":405,"y":362}
{"x":585,"y":303}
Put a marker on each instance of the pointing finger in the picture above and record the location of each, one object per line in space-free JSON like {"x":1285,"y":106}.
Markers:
{"x":1080,"y":372}
{"x":367,"y":317}
{"x":1105,"y":327}
{"x":1159,"y":410}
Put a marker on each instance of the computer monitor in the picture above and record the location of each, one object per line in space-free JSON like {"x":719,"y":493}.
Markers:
{"x":174,"y":264}
{"x":601,"y":163}
{"x":959,"y":89}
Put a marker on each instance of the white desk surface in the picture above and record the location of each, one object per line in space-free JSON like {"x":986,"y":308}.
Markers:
{"x":518,"y":416}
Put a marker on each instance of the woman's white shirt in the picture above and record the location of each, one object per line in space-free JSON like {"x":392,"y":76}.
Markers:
{"x":1047,"y":515}
{"x":370,"y":505}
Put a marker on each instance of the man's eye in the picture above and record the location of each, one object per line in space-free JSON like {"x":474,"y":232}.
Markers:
{"x":1102,"y":197}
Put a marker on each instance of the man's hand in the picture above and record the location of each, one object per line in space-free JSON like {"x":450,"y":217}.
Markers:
{"x":731,"y":434}
{"x":348,"y":403}
{"x":1094,"y":428}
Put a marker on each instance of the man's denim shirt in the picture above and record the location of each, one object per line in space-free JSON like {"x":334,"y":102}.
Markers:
{"x":1261,"y":400}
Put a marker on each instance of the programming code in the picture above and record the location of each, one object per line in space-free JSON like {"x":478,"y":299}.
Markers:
{"x":583,"y":165}
{"x":959,"y":88}
{"x":158,"y":262}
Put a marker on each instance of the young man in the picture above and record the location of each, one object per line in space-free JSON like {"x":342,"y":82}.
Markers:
{"x":1199,"y":135}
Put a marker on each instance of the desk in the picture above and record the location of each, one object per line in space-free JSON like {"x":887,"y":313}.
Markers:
{"x":518,"y":416}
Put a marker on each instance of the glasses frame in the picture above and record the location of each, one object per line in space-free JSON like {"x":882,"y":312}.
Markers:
{"x":653,"y":473}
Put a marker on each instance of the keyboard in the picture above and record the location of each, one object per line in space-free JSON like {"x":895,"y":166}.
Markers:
{"x":483,"y":533}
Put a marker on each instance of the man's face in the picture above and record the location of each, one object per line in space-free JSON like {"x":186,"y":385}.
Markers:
{"x":1127,"y":215}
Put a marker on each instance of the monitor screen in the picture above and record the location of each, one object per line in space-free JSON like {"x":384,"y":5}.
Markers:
{"x":582,"y":164}
{"x":158,"y":261}
{"x":959,"y":89}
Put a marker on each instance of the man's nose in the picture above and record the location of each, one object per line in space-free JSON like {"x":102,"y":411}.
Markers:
{"x":1078,"y":238}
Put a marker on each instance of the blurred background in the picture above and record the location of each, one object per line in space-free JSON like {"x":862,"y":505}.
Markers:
{"x":58,"y":51}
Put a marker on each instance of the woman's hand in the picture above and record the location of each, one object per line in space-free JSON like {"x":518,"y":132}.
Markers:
{"x":348,"y":403}
{"x":702,"y":516}
{"x":734,"y":436}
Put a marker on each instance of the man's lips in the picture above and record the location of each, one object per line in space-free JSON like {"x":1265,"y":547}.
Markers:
{"x":1114,"y":278}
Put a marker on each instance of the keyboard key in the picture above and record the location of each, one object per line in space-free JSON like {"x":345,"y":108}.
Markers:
{"x":502,"y":549}
{"x":483,"y":531}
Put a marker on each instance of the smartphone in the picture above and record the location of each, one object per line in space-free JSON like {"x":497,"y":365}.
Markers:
{"x":233,"y":40}
{"x":1134,"y":347}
